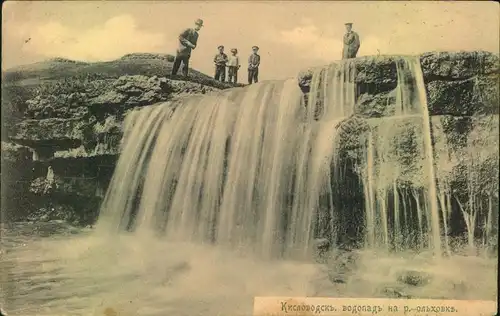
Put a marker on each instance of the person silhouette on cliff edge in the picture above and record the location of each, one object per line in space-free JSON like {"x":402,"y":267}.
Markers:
{"x":187,"y":42}
{"x":220,"y":61}
{"x":351,"y":43}
{"x":253,"y":66}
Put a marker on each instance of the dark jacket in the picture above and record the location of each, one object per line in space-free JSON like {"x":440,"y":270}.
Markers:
{"x":187,"y":41}
{"x":254,"y":61}
{"x":351,"y":45}
{"x":220,"y":59}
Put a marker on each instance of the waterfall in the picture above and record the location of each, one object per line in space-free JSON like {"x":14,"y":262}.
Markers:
{"x":391,"y":177}
{"x":259,"y":169}
{"x":243,"y":168}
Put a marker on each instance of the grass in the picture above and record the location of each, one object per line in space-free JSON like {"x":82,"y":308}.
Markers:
{"x":131,"y":64}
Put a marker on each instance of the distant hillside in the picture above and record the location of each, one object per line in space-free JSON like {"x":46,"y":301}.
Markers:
{"x":59,"y":68}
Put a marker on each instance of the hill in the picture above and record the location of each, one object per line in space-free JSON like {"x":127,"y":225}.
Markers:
{"x":146,"y":64}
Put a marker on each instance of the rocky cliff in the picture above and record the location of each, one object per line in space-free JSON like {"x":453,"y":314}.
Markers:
{"x":463,"y":101}
{"x":61,"y":129}
{"x":68,"y":116}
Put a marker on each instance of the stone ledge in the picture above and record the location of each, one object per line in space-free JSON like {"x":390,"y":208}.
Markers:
{"x":458,"y":65}
{"x":56,"y":133}
{"x":15,"y":153}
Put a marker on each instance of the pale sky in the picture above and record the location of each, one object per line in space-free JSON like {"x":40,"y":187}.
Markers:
{"x":291,"y":35}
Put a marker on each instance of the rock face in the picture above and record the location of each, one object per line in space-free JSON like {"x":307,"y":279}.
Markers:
{"x":67,"y":116}
{"x":463,"y":101}
{"x":458,"y":84}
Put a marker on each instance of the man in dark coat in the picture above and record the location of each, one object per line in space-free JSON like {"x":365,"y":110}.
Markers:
{"x":187,"y":42}
{"x":351,"y":43}
{"x":253,"y":66}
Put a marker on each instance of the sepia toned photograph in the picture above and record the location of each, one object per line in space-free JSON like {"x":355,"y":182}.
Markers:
{"x":249,"y":158}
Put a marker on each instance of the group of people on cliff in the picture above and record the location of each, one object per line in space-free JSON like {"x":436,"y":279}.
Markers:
{"x":232,"y":63}
{"x":189,"y":39}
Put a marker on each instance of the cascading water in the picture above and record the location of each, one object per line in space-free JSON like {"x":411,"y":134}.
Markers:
{"x":243,"y":168}
{"x":253,"y":168}
{"x":389,"y":177}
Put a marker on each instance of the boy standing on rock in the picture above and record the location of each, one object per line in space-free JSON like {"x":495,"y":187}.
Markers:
{"x":253,"y":66}
{"x":187,"y":42}
{"x":233,"y":66}
{"x":220,"y":61}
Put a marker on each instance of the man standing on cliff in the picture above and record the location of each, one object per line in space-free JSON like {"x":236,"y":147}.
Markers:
{"x":187,"y":42}
{"x":351,"y":43}
{"x":220,"y":61}
{"x":253,"y":65}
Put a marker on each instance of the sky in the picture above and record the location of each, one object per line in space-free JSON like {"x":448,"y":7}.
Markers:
{"x":292,"y":35}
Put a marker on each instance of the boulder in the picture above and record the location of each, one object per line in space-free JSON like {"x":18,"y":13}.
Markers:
{"x":56,"y":133}
{"x":414,"y":278}
{"x":14,"y":153}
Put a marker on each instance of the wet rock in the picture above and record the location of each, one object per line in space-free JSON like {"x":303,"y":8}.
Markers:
{"x":463,"y":83}
{"x":376,"y":70}
{"x":17,"y":171}
{"x":341,"y":264}
{"x":304,"y":79}
{"x":350,"y":131}
{"x":321,"y":247}
{"x":14,"y":153}
{"x":337,"y":279}
{"x":395,"y":293}
{"x":458,"y":65}
{"x":54,"y":132}
{"x":414,"y":278}
{"x":371,"y":72}
{"x":478,"y":95}
{"x":378,"y":105}
{"x":69,"y":185}
{"x":459,"y":142}
{"x":322,"y":244}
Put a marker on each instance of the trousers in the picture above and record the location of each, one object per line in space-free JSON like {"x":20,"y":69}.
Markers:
{"x":253,"y":75}
{"x":232,"y":74}
{"x":177,"y":63}
{"x":220,"y":72}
